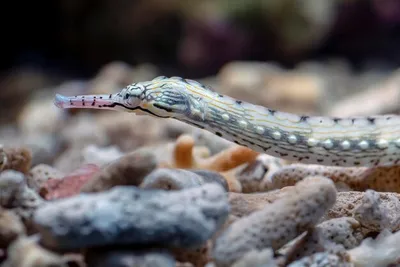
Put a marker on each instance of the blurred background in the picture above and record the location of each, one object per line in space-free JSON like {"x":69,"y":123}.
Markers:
{"x":300,"y":56}
{"x":326,"y":57}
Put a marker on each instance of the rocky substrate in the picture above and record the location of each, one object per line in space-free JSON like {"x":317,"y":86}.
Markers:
{"x":86,"y":188}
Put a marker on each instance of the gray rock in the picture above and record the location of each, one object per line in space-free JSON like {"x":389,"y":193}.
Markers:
{"x":17,"y":196}
{"x":177,"y":179}
{"x":129,"y":215}
{"x":129,"y":258}
{"x":212,"y":177}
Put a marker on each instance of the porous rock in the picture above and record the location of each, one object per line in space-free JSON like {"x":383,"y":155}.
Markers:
{"x":129,"y":215}
{"x":353,"y":203}
{"x":277,"y":223}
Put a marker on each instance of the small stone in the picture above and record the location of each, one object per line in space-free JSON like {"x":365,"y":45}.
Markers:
{"x":10,"y":227}
{"x":39,"y":174}
{"x":27,"y":253}
{"x":130,"y":169}
{"x":70,"y":184}
{"x":257,"y":258}
{"x":212,"y":177}
{"x":129,"y":215}
{"x":17,"y":196}
{"x":15,"y":158}
{"x":371,"y":213}
{"x":321,"y":259}
{"x":101,"y":156}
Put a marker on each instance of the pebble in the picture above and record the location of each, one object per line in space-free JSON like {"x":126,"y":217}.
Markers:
{"x":129,"y":215}
{"x":26,"y":252}
{"x":10,"y":227}
{"x":129,"y":169}
{"x":176,"y":179}
{"x":70,"y":184}
{"x":39,"y":174}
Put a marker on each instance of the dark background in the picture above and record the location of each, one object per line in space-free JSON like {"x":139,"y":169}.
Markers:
{"x":75,"y":38}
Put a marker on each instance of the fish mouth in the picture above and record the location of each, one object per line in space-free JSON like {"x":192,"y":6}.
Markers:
{"x":60,"y":101}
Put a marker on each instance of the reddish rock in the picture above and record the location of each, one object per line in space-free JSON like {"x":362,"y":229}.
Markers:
{"x":69,"y":185}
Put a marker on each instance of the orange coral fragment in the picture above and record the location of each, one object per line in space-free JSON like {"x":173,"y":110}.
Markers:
{"x":223,"y":161}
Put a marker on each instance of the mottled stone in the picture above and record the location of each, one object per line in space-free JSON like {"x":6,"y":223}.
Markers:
{"x":128,"y":215}
{"x":39,"y":174}
{"x":277,"y":223}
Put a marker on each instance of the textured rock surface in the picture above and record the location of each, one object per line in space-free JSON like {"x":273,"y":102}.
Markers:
{"x":15,"y":158}
{"x":348,"y":204}
{"x":382,"y":179}
{"x":39,"y":174}
{"x":70,"y":184}
{"x":130,"y":169}
{"x":129,"y":258}
{"x":128,"y":215}
{"x":372,"y":214}
{"x":25,"y":252}
{"x":321,"y":259}
{"x":10,"y":227}
{"x":277,"y":223}
{"x":176,"y":179}
{"x":244,"y":204}
{"x":384,"y":250}
{"x":257,"y":174}
{"x":345,"y":231}
{"x":17,"y":196}
{"x":333,"y":236}
{"x":257,"y":258}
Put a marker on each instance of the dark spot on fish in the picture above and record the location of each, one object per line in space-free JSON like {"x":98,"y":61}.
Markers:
{"x":304,"y":118}
{"x":336,"y":120}
{"x":320,"y":160}
{"x":371,"y":120}
{"x":271,"y":111}
{"x":238,"y":102}
{"x":219,"y":134}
